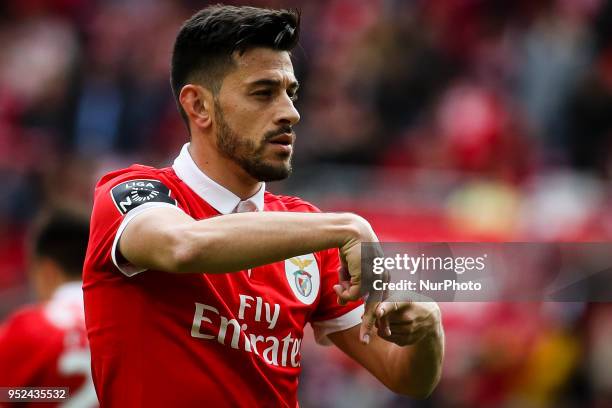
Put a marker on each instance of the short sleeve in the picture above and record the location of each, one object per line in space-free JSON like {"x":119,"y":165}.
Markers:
{"x":117,"y":202}
{"x":330,"y":317}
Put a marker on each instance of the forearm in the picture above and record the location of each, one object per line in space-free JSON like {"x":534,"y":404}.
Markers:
{"x":240,"y":241}
{"x":415,"y":370}
{"x":234,"y":242}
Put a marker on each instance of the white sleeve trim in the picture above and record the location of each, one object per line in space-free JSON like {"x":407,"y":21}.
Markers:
{"x":127,"y":268}
{"x":346,"y":321}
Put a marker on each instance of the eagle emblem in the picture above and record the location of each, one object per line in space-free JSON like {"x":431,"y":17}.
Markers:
{"x":303,"y":281}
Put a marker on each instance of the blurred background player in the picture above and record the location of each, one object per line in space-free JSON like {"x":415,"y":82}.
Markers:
{"x":45,"y":344}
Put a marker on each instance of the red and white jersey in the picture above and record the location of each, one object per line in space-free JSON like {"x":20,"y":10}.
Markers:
{"x":45,"y":345}
{"x":233,"y":339}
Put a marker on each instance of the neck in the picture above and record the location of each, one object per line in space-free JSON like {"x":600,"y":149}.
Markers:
{"x":223,"y":170}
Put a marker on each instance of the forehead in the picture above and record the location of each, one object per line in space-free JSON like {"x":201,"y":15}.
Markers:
{"x":262,"y":63}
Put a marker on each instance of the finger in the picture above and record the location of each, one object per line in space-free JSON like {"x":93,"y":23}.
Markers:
{"x":386,"y":276}
{"x":347,"y":293}
{"x":350,"y":294}
{"x":384,"y":326}
{"x":383,"y":319}
{"x":341,"y":286}
{"x":374,"y":251}
{"x":368,"y":322}
{"x":395,"y":310}
{"x":377,"y":295}
{"x":386,"y":279}
{"x":343,"y":273}
{"x":400,"y":312}
{"x":386,"y":308}
{"x":340,"y":290}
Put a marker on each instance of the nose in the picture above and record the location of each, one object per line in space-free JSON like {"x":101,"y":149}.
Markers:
{"x":287,"y":113}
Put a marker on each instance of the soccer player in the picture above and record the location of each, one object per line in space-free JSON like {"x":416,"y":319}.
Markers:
{"x":45,"y":345}
{"x":198,"y":283}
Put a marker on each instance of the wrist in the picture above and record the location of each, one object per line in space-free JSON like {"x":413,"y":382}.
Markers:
{"x":347,"y":228}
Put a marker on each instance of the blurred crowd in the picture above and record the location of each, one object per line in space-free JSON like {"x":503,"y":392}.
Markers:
{"x":435,"y":119}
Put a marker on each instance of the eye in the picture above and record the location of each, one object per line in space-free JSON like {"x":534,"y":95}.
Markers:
{"x":293,"y":96}
{"x":263,"y":94}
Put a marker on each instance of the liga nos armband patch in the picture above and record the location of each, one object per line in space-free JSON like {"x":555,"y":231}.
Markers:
{"x":132,"y":193}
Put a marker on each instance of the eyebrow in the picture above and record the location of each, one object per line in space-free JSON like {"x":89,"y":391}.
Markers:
{"x":274,"y":83}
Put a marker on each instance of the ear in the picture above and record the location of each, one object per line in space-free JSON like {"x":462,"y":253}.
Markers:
{"x":197,"y":103}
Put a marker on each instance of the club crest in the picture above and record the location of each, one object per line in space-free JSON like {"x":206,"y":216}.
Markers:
{"x":303,"y":277}
{"x":303,"y":282}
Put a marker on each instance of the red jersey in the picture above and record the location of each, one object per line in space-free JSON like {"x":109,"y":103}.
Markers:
{"x":233,"y":339}
{"x":45,"y":345}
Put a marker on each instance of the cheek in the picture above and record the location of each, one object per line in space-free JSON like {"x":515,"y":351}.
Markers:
{"x":250,"y":125}
{"x":247,"y":118}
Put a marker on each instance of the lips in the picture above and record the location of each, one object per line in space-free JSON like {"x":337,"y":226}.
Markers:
{"x":286,"y":139}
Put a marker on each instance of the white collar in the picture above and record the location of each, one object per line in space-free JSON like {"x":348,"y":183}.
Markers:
{"x":65,"y":308}
{"x":69,"y":291}
{"x":219,"y":197}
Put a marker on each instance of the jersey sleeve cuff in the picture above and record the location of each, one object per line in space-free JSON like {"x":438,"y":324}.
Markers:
{"x":125,"y":267}
{"x":346,"y":321}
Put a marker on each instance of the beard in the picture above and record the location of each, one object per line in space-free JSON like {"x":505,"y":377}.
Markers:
{"x":247,"y":154}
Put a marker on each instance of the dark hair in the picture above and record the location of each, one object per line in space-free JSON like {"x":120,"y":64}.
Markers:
{"x":62,"y":237}
{"x":204,"y":47}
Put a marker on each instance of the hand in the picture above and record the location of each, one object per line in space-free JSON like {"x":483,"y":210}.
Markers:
{"x":349,"y":287}
{"x":402,"y":323}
